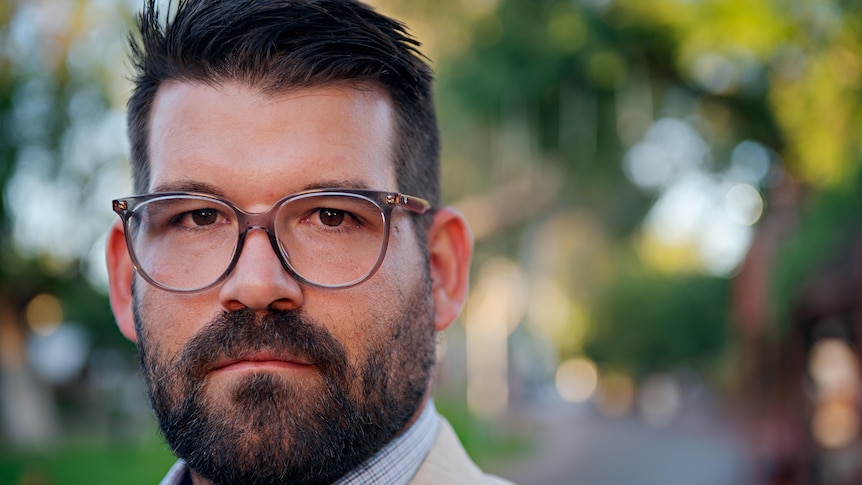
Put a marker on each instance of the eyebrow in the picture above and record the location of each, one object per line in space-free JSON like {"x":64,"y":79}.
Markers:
{"x":334,"y":184}
{"x":205,"y":188}
{"x":188,"y":186}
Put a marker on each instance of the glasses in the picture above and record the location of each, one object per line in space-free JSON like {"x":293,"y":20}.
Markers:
{"x":185,"y":242}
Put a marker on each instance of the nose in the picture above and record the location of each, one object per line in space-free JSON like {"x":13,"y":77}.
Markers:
{"x":259,"y":282}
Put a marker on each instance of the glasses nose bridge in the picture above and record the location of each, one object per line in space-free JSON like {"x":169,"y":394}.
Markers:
{"x":264,"y":221}
{"x":257,"y":220}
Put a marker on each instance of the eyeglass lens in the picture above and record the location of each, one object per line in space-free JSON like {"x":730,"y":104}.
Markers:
{"x":188,"y":242}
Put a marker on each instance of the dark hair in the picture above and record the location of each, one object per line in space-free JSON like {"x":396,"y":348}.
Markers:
{"x":277,"y":45}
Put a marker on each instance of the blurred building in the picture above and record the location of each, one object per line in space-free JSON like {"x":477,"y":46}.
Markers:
{"x":796,"y":303}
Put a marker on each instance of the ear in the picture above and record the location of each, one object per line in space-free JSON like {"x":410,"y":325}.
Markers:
{"x":121,"y":273}
{"x":450,"y":244}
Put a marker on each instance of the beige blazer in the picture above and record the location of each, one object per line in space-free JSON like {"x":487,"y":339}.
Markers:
{"x":448,"y":464}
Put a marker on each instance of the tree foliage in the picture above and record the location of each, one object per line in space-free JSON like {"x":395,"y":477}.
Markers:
{"x":587,"y":80}
{"x":543,"y":104}
{"x":652,"y":322}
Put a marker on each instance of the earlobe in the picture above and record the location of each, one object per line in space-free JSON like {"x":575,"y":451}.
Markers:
{"x":121,"y":274}
{"x":451,"y":246}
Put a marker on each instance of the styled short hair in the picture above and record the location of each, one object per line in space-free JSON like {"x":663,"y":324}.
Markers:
{"x":278,"y":45}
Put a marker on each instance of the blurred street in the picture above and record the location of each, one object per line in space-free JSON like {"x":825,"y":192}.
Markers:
{"x":575,"y":445}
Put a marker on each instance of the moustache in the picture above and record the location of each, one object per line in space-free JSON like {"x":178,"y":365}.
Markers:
{"x":233,"y":334}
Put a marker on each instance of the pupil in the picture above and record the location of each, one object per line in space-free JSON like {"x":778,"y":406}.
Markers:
{"x":204,"y":217}
{"x":330,"y":217}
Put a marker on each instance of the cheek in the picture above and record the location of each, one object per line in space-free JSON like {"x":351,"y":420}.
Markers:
{"x":375,"y":300}
{"x":402,"y":271}
{"x":362,"y":318}
{"x":168,"y":320}
{"x":404,"y":261}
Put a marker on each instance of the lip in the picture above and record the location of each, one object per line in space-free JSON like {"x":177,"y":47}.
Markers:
{"x":261,"y":361}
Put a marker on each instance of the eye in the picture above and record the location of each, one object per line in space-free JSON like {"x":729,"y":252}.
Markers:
{"x":199,"y":218}
{"x":331,"y":217}
{"x":204,"y":217}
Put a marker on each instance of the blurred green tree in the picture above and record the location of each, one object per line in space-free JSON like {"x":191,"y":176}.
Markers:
{"x":58,"y":153}
{"x":546,"y":106}
{"x":574,"y":88}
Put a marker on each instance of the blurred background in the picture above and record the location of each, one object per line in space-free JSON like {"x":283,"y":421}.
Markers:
{"x":665,"y":197}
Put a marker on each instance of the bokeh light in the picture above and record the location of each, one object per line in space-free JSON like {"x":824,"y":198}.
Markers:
{"x":494,"y":309}
{"x":659,"y":400}
{"x":44,"y":314}
{"x":616,"y":394}
{"x":577,"y":380}
{"x":835,"y":424}
{"x":743,"y":204}
{"x":834,"y":370}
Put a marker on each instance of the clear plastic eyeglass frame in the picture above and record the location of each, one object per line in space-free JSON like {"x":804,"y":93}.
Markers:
{"x":386,"y":202}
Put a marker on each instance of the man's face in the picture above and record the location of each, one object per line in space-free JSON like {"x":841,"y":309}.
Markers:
{"x":261,"y":379}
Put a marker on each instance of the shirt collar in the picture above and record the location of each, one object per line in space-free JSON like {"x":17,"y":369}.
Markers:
{"x":398,"y":461}
{"x":395,"y":464}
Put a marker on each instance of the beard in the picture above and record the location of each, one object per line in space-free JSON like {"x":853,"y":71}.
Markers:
{"x":264,"y":428}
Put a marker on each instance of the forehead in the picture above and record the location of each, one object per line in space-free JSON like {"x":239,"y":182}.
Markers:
{"x":249,"y":146}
